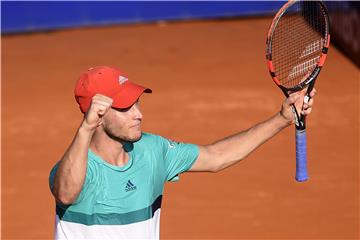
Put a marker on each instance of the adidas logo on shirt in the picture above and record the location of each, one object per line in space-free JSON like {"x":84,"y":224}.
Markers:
{"x":129,"y":186}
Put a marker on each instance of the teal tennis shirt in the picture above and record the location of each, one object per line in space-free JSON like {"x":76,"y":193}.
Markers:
{"x":124,"y":202}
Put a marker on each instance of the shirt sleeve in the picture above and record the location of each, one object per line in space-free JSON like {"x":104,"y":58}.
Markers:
{"x":179,"y":157}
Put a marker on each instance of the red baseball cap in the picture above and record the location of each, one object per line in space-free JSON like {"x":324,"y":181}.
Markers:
{"x":110,"y":82}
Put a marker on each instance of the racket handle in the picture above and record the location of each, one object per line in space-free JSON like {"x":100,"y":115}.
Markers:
{"x":301,"y":161}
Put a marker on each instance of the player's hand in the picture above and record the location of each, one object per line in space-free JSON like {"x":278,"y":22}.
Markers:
{"x":302,"y":103}
{"x":99,"y":106}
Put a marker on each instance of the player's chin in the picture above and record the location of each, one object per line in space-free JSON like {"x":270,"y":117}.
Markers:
{"x":134,"y":136}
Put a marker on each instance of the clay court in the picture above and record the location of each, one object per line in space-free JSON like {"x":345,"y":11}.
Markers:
{"x":209,"y":80}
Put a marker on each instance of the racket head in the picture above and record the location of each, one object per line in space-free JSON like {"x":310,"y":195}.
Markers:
{"x":297,"y":44}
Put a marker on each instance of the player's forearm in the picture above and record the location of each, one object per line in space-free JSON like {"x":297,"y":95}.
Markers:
{"x":234,"y":148}
{"x":71,"y":172}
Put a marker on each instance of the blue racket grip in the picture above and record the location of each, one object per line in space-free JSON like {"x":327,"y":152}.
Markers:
{"x":301,"y":161}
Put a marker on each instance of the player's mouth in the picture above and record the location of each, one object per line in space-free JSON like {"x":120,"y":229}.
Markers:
{"x":137,"y":125}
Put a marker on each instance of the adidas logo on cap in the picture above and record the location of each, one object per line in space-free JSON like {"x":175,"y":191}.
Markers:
{"x":122,"y":80}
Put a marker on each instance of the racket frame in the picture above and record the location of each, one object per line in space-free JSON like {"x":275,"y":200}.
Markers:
{"x":309,"y":82}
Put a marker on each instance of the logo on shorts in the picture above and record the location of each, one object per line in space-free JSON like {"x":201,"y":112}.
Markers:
{"x":129,"y":186}
{"x":122,"y":80}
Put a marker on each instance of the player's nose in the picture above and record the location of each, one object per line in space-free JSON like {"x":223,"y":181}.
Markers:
{"x":136,"y":112}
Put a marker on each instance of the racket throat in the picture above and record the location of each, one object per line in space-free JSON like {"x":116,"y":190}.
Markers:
{"x":300,"y":125}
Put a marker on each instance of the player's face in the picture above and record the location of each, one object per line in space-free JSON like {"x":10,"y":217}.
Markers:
{"x":124,"y":124}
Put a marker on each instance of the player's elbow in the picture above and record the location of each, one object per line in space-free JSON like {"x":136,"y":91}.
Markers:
{"x":216,"y":169}
{"x":65,"y":197}
{"x":65,"y":200}
{"x":213,"y":168}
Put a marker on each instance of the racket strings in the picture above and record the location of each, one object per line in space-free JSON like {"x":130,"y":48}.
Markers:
{"x":297,"y":42}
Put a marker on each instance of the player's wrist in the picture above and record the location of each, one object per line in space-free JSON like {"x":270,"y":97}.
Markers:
{"x":87,"y":128}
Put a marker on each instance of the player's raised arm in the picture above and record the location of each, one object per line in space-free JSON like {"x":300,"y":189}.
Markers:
{"x":230,"y":150}
{"x":71,"y":171}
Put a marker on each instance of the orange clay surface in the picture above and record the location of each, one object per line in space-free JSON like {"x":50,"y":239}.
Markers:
{"x":209,"y":80}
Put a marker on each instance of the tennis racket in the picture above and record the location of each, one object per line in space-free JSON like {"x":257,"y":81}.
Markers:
{"x":296,"y":47}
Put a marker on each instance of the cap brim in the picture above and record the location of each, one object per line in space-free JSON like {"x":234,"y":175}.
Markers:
{"x":130,"y":93}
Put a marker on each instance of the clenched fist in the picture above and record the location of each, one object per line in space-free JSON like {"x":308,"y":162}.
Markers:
{"x":99,"y":106}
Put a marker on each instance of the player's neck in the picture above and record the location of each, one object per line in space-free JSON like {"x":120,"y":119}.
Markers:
{"x":109,"y":149}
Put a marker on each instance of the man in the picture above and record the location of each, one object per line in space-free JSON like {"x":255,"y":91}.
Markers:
{"x":109,"y":183}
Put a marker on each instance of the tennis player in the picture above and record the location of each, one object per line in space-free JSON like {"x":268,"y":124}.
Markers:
{"x":109,"y":182}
